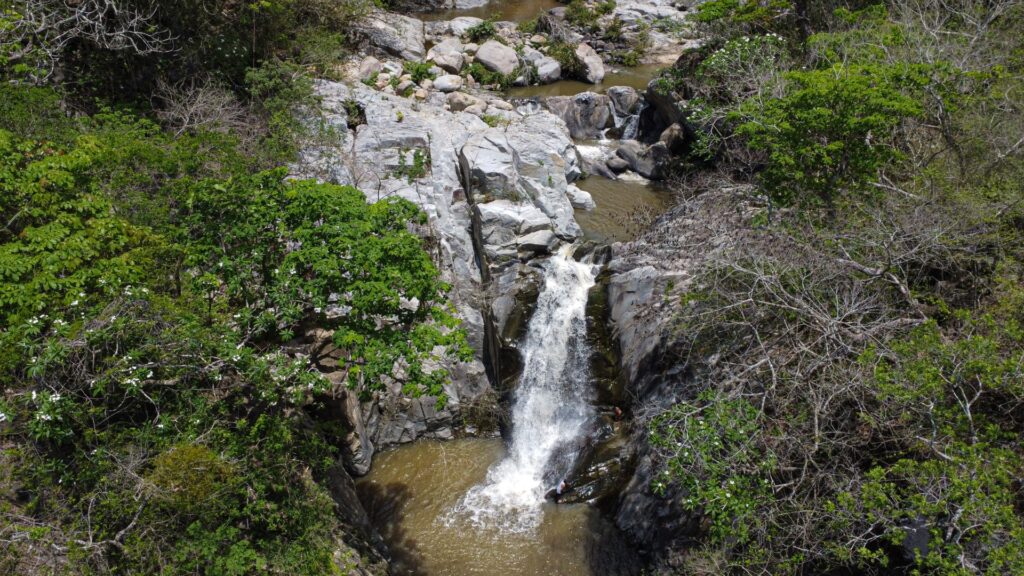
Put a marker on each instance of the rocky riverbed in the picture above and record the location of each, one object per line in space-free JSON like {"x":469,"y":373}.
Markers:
{"x":422,"y":113}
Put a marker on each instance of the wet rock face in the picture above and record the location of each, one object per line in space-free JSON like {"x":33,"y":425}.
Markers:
{"x":495,"y":197}
{"x":653,"y":359}
{"x":625,"y":100}
{"x":648,"y":161}
{"x":586,"y":114}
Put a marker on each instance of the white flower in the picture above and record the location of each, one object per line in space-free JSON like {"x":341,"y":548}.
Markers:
{"x":3,"y":417}
{"x":55,"y":397}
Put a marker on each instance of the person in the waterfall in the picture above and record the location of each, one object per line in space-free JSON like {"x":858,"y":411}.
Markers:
{"x":556,"y":493}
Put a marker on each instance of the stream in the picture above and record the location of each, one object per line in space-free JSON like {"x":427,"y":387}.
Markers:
{"x":477,"y":506}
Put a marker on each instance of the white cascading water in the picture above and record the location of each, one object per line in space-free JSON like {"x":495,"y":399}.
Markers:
{"x":551,"y":408}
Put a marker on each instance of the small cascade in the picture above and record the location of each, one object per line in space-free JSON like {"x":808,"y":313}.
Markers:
{"x":551,"y":407}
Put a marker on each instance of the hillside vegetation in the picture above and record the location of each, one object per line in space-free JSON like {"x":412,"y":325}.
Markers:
{"x":859,"y":348}
{"x":159,"y":275}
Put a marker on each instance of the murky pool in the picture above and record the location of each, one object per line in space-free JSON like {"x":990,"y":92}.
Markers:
{"x":411,"y":491}
{"x":510,"y":10}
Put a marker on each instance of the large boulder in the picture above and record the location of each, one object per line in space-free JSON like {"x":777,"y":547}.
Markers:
{"x":593,"y":67}
{"x":489,"y":165}
{"x":396,"y":34}
{"x":505,"y":225}
{"x":447,"y":55}
{"x":459,"y":101}
{"x":625,"y":100}
{"x":497,"y":57}
{"x":586,"y":114}
{"x":580,"y":199}
{"x":438,"y":30}
{"x":548,"y":69}
{"x":369,"y":67}
{"x":647,"y":161}
{"x":448,"y":83}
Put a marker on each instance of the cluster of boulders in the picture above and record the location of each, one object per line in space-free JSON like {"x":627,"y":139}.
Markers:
{"x":520,"y":58}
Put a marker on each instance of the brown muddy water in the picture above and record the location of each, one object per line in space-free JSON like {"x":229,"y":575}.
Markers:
{"x":509,"y":10}
{"x":637,"y":77}
{"x":625,"y":207}
{"x":411,"y":493}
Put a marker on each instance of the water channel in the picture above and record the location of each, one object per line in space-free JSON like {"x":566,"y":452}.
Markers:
{"x":477,"y":506}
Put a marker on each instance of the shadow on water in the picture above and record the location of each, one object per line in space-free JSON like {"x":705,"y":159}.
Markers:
{"x":384,"y":503}
{"x":608,"y":552}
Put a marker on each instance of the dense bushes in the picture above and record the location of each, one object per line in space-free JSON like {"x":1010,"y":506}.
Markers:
{"x":151,"y":422}
{"x":858,"y":348}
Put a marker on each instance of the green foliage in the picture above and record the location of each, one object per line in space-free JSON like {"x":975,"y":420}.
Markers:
{"x":605,"y":7}
{"x":494,"y":120}
{"x":490,"y":78}
{"x":831,"y":132}
{"x":759,"y":13}
{"x":565,"y":54}
{"x":220,"y":39}
{"x":419,"y":71}
{"x":482,"y":31}
{"x":579,"y":13}
{"x":527,"y":26}
{"x":280,"y":94}
{"x":188,"y":477}
{"x":418,"y":168}
{"x":36,"y":112}
{"x":613,"y":32}
{"x":146,"y":400}
{"x":710,"y":451}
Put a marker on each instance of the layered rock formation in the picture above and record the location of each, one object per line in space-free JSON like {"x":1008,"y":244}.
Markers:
{"x":496,"y":197}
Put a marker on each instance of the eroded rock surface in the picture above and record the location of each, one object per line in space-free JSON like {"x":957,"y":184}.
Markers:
{"x":495,"y":196}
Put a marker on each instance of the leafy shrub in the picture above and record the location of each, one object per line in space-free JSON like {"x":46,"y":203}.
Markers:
{"x":418,"y":168}
{"x":580,"y":14}
{"x":828,"y":135}
{"x":122,"y":345}
{"x":613,"y":32}
{"x":565,"y":54}
{"x":488,"y":77}
{"x":527,"y":26}
{"x":482,"y":31}
{"x":710,"y":449}
{"x":419,"y":71}
{"x":605,"y":7}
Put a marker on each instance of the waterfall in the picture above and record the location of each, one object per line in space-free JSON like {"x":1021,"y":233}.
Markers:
{"x":551,"y":407}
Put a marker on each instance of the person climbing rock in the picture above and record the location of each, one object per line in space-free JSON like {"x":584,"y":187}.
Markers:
{"x":556,"y":493}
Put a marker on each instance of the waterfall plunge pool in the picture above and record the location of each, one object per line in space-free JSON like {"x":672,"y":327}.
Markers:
{"x":411,"y":490}
{"x":477,"y":506}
